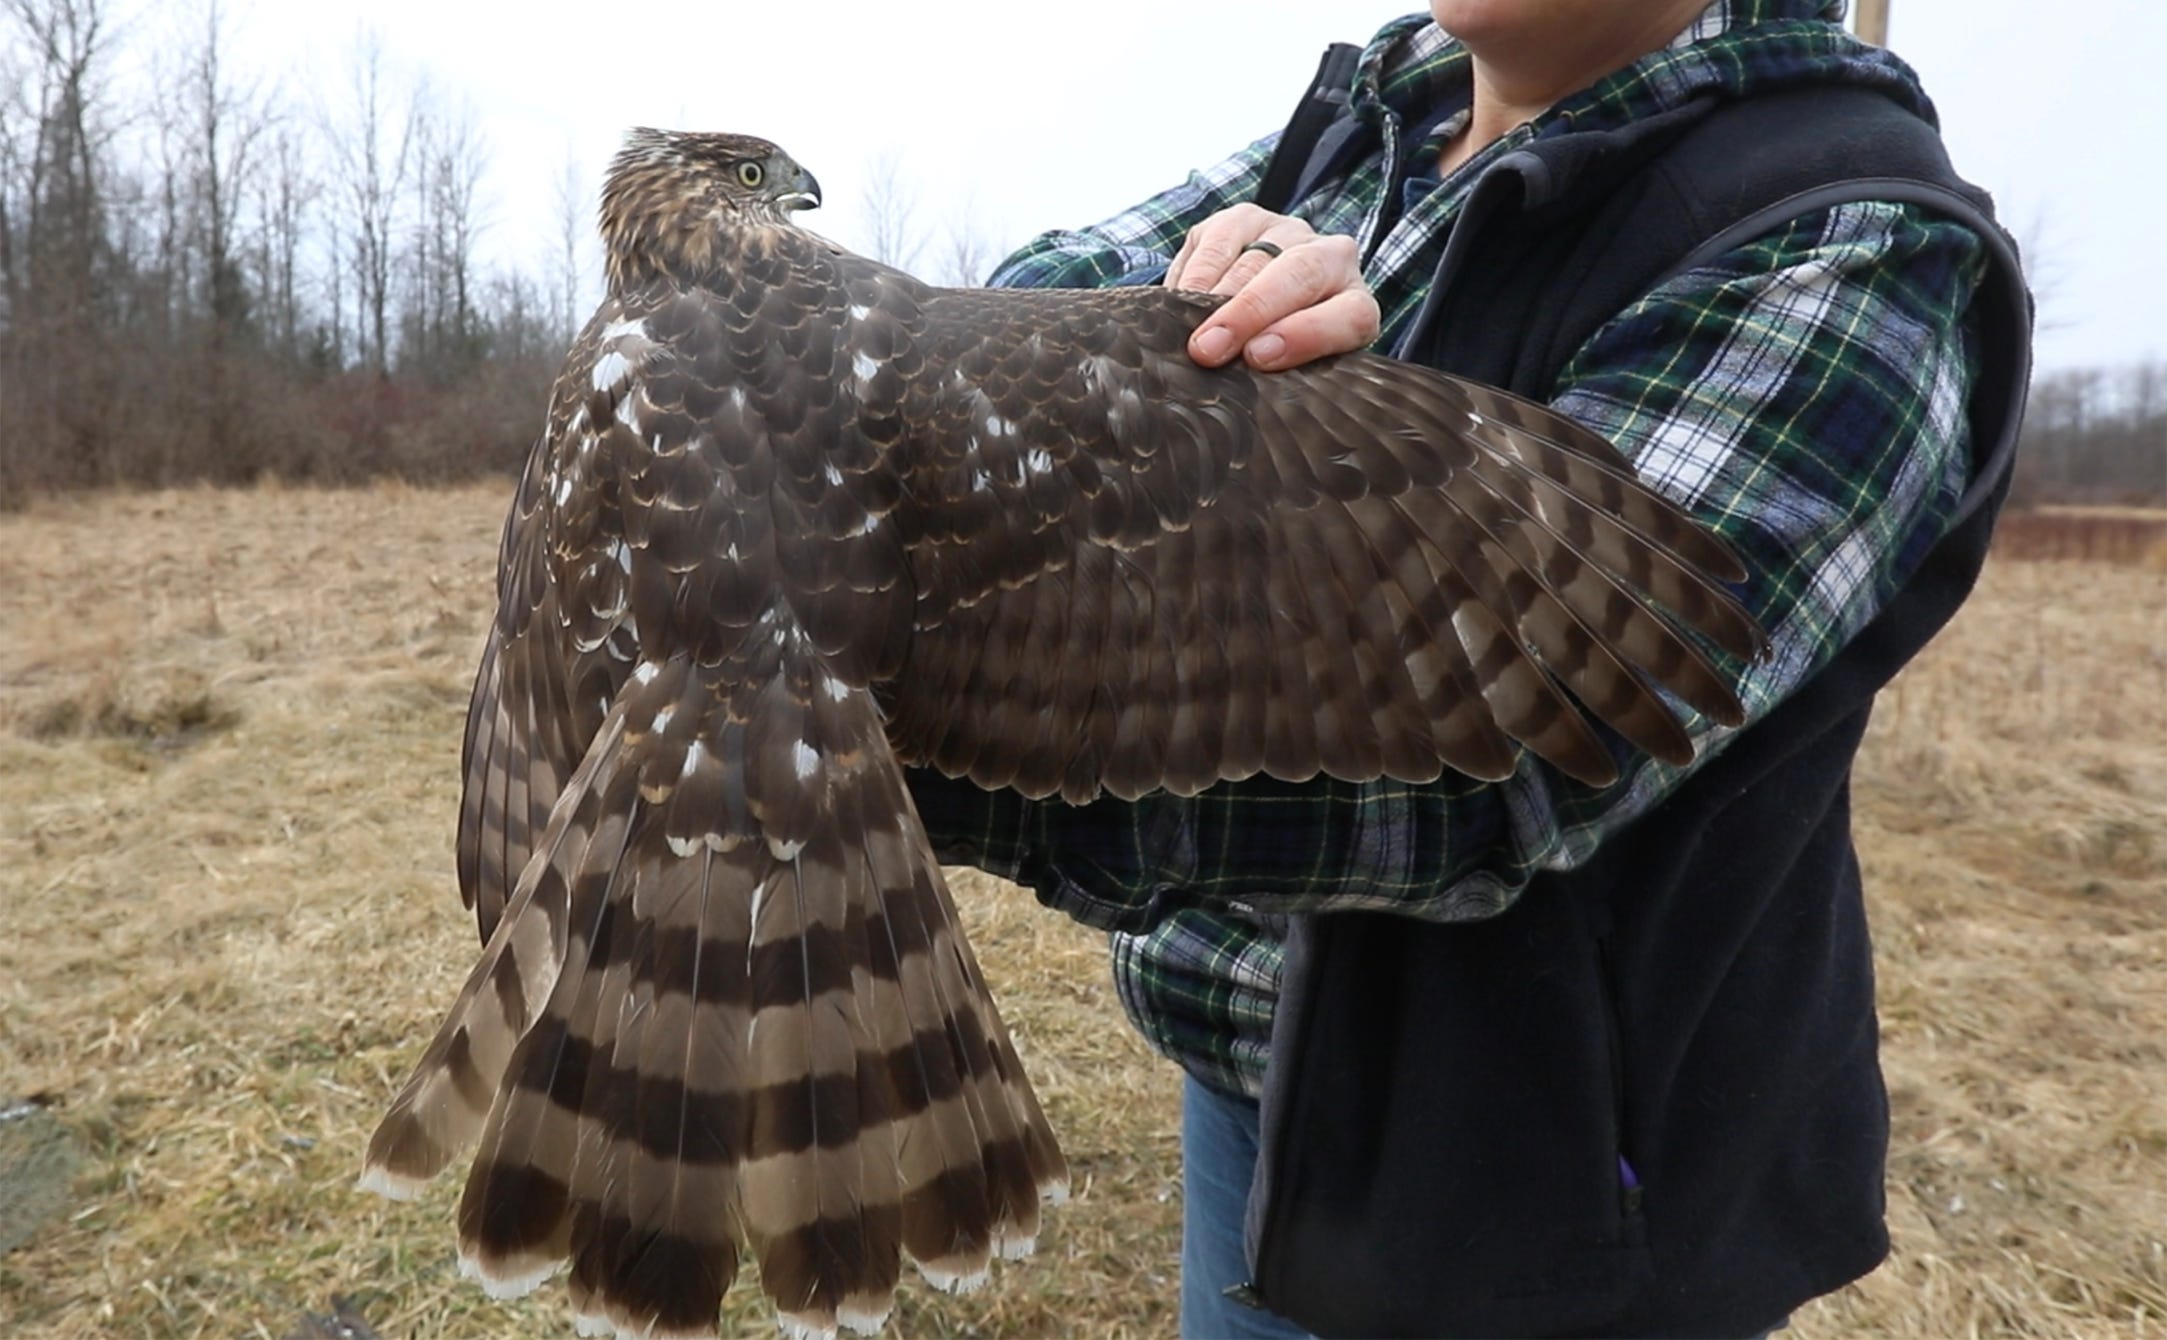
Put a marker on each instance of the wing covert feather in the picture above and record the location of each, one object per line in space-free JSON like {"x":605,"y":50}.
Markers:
{"x":1237,"y":569}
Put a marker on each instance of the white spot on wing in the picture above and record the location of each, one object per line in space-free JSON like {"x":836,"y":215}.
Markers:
{"x":645,"y":672}
{"x":610,"y":370}
{"x":805,"y":759}
{"x":836,"y":689}
{"x":1038,"y":461}
{"x":865,"y":365}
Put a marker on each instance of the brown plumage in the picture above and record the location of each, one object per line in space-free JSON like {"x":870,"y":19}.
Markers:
{"x":797,"y":520}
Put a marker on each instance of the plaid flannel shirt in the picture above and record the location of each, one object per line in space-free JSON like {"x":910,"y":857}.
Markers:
{"x":1803,"y":395}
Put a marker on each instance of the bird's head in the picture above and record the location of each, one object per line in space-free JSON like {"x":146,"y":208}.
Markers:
{"x":672,"y":197}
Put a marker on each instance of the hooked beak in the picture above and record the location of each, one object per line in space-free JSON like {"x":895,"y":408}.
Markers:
{"x":805,"y":196}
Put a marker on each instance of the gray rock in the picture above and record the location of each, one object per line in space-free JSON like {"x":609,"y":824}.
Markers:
{"x":37,"y":1163}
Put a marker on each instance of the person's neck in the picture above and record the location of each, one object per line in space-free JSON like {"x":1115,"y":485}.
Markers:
{"x":1492,"y":114}
{"x":1516,"y":82}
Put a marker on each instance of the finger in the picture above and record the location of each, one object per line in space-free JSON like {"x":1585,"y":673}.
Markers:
{"x":1305,"y":276}
{"x":1181,"y":259}
{"x":1213,"y":244}
{"x":1341,"y":324}
{"x":1249,"y":260}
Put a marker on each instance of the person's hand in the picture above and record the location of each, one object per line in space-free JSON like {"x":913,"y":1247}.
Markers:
{"x":1297,"y":297}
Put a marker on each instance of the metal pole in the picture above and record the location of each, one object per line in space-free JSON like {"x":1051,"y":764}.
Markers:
{"x":1872,"y":21}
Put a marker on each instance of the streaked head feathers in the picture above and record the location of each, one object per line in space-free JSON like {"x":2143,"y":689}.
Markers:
{"x":671,"y":198}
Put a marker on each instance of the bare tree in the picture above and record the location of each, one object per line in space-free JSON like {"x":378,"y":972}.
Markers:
{"x":284,"y":194}
{"x":889,"y":204}
{"x":65,"y":207}
{"x":195,"y":285}
{"x":229,"y":121}
{"x":2096,"y":435}
{"x":14,"y":155}
{"x":331,"y":343}
{"x":53,"y":371}
{"x":968,"y":257}
{"x":456,"y":172}
{"x":169,"y":256}
{"x":371,"y":147}
{"x":448,"y":163}
{"x":2046,"y":271}
{"x":573,"y":224}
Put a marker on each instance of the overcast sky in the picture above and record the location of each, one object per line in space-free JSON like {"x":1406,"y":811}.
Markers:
{"x":1025,"y":117}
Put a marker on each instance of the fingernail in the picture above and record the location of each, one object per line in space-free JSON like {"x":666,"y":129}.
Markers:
{"x":1214,"y":345}
{"x":1265,"y":350}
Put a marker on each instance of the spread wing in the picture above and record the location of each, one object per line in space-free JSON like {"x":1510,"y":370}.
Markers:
{"x":724,"y":1003}
{"x":1137,"y":573}
{"x":534,"y":708}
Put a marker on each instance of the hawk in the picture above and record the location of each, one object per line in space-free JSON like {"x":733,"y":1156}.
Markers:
{"x":798,"y":520}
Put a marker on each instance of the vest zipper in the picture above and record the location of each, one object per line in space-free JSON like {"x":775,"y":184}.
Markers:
{"x":1630,"y":1191}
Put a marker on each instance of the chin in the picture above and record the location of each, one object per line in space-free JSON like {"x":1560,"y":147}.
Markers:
{"x":1501,"y":23}
{"x":1464,"y":17}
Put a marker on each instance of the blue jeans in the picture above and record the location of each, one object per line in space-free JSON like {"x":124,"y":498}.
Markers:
{"x":1218,"y":1159}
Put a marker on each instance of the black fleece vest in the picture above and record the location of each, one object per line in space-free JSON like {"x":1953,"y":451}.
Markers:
{"x":1449,"y":1105}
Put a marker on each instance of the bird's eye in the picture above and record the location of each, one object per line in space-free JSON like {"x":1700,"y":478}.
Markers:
{"x":750,"y":174}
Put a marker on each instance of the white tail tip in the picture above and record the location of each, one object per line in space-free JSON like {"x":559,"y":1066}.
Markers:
{"x":954,"y":1278}
{"x":805,"y":1328}
{"x":864,"y":1316}
{"x":388,"y":1184}
{"x":500,"y":1283}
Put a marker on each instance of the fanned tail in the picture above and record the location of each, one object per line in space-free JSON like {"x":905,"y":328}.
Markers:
{"x":730,"y":1009}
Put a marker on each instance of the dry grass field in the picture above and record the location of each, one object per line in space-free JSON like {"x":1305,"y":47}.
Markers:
{"x":229,"y":725}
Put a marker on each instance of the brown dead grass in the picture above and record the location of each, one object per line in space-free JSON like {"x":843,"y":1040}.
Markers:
{"x":2126,"y":535}
{"x":229,"y":725}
